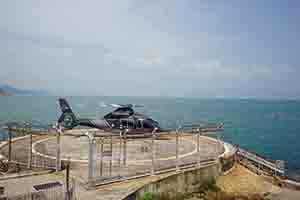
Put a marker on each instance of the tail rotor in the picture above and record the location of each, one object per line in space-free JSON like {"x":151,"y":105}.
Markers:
{"x":67,"y":119}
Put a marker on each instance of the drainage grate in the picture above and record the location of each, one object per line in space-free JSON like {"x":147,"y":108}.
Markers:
{"x":46,"y":186}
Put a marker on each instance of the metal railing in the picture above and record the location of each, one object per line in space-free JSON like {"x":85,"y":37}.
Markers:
{"x":19,"y":152}
{"x":115,"y":157}
{"x":262,"y":162}
{"x":118,"y":157}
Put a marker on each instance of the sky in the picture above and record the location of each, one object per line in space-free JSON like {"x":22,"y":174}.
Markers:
{"x":164,"y":48}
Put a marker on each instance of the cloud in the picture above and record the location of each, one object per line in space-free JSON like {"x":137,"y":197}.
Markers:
{"x":149,"y":61}
{"x":108,"y":55}
{"x":156,"y":47}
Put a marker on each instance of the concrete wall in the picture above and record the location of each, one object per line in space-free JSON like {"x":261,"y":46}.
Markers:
{"x":183,"y":182}
{"x":187,"y":181}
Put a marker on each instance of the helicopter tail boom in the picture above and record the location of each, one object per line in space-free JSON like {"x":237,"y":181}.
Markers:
{"x":67,"y":119}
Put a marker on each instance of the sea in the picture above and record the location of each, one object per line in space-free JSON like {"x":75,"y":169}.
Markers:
{"x":269,"y":127}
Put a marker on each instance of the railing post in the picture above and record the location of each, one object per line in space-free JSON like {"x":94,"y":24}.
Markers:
{"x":101,"y":156}
{"x":58,"y":158}
{"x":68,"y":194}
{"x":30,"y":152}
{"x":198,"y":147}
{"x":219,"y":142}
{"x":111,"y":155}
{"x":177,"y":149}
{"x":153,"y":151}
{"x":92,"y":156}
{"x":218,"y":146}
{"x":9,"y":143}
{"x":124,"y":147}
{"x":120,"y":152}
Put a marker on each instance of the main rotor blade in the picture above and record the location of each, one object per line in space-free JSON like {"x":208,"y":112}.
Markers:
{"x":121,"y":105}
{"x":102,"y":104}
{"x":116,"y":105}
{"x":138,"y":105}
{"x":132,"y":105}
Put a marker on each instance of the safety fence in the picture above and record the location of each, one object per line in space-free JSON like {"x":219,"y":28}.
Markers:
{"x":118,"y":157}
{"x":20,"y":154}
{"x":112,"y":157}
{"x":259,"y":163}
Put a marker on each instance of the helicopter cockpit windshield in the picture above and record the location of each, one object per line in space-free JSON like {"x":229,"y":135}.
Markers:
{"x":120,"y":113}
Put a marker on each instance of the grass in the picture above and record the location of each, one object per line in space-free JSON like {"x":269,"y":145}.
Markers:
{"x":207,"y":191}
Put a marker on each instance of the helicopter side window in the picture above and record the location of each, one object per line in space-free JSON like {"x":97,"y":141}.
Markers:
{"x":139,"y":124}
{"x":131,"y":123}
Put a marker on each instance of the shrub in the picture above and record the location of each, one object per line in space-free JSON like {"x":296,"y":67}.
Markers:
{"x":148,"y":196}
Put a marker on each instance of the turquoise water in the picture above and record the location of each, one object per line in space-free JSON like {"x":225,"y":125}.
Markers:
{"x":270,"y":128}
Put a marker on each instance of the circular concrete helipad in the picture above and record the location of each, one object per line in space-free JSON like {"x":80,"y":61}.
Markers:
{"x":137,"y":150}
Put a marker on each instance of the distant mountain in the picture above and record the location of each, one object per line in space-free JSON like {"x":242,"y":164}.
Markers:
{"x":3,"y":93}
{"x":11,"y":90}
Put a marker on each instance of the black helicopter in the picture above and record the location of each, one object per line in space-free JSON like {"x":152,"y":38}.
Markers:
{"x":122,"y":118}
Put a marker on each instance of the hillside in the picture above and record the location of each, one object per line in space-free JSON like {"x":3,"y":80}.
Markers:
{"x":6,"y":90}
{"x":3,"y":93}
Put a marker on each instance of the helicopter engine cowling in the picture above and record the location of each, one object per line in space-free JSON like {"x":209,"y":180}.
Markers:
{"x":94,"y":123}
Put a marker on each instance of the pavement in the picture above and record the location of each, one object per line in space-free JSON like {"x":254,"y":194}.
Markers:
{"x":138,"y":161}
{"x":20,"y":186}
{"x":138,"y":154}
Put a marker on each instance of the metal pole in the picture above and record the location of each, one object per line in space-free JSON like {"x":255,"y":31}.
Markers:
{"x":58,"y":158}
{"x":34,"y":161}
{"x":217,"y":147}
{"x":67,"y":179}
{"x":177,"y":150}
{"x":111,"y":153}
{"x":30,"y":152}
{"x":124,"y":148}
{"x":101,"y":156}
{"x":120,"y":152}
{"x":9,"y":144}
{"x":153,"y":151}
{"x":220,"y":142}
{"x":198,"y":146}
{"x":92,"y":156}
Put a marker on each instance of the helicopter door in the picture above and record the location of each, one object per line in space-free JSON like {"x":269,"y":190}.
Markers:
{"x":139,"y":124}
{"x":124,"y":123}
{"x":131,"y":124}
{"x":128,"y":123}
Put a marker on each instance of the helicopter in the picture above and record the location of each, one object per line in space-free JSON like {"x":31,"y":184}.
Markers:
{"x":123,"y":117}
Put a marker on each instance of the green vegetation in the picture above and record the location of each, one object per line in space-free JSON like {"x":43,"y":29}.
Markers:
{"x":20,"y":132}
{"x":148,"y":196}
{"x":206,"y":191}
{"x":166,"y":196}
